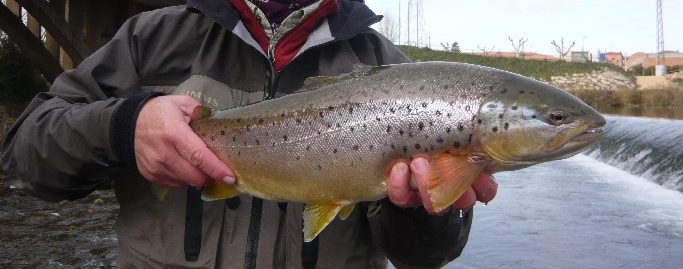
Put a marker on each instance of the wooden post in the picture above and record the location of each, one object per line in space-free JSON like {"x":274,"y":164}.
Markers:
{"x":14,"y":7}
{"x":33,"y":25}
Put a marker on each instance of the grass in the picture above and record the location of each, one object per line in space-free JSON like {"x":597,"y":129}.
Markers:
{"x":542,"y":70}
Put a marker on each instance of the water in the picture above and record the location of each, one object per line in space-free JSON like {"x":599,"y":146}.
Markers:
{"x":650,"y":148}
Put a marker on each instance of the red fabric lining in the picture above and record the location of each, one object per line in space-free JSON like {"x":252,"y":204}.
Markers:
{"x":290,"y":44}
{"x":252,"y":24}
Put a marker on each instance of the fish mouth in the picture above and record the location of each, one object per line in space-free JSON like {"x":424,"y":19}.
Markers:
{"x":590,"y":135}
{"x":578,"y":143}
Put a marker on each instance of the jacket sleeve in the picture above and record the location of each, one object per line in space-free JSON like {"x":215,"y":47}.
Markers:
{"x":411,"y":238}
{"x":70,"y":140}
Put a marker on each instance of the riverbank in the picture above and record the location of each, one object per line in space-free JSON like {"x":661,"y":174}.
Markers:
{"x":655,"y":103}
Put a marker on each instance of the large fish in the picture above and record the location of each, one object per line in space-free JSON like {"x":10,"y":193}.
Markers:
{"x":333,"y":144}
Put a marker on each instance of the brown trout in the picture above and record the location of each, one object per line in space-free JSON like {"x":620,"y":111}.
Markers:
{"x":334,"y":145}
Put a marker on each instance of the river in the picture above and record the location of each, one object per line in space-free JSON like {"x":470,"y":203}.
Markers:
{"x":618,"y":205}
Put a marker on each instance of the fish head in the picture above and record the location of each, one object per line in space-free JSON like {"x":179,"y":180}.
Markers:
{"x":526,"y":122}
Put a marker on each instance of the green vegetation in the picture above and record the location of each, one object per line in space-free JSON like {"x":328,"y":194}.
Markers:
{"x":541,"y":70}
{"x":19,"y":80}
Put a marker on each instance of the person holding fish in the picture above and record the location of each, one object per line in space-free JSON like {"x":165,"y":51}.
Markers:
{"x":124,"y":116}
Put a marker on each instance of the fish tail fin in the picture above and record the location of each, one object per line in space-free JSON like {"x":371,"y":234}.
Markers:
{"x":317,"y":217}
{"x":217,"y":191}
{"x":200,"y":112}
{"x":450,"y":176}
{"x":160,"y":192}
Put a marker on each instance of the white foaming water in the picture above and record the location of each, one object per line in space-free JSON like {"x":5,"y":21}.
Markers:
{"x":576,"y":213}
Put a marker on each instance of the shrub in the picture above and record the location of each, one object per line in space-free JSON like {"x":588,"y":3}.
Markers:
{"x":19,"y":80}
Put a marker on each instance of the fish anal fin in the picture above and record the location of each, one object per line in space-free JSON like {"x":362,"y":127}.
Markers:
{"x":345,"y":211}
{"x":217,"y":191}
{"x":160,"y":192}
{"x":450,"y":176}
{"x":200,"y":112}
{"x":317,"y":217}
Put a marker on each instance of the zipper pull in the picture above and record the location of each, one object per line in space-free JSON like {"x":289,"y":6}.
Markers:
{"x":271,"y":53}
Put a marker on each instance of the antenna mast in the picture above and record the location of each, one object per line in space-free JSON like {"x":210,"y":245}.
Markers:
{"x":660,"y":35}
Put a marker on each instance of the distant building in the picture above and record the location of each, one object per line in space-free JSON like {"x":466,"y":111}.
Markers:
{"x":615,"y":58}
{"x":581,"y":56}
{"x":672,"y":58}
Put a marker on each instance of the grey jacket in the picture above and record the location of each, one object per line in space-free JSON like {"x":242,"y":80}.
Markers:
{"x":78,"y":136}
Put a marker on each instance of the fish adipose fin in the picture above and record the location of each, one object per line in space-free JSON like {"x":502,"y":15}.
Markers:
{"x":200,"y":112}
{"x":314,"y":83}
{"x":217,"y":191}
{"x":450,"y":176}
{"x":345,"y":211}
{"x":160,"y":192}
{"x":316,"y":218}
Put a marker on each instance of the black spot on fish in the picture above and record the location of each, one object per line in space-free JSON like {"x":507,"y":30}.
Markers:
{"x":500,"y":116}
{"x":211,"y":138}
{"x":282,"y":115}
{"x":355,"y":147}
{"x":298,"y":120}
{"x":426,"y":137}
{"x":467,"y":108}
{"x":400,"y":132}
{"x":258,"y":142}
{"x":239,"y":153}
{"x":260,"y":121}
{"x":318,"y":132}
{"x":392,"y":110}
{"x":222,"y":132}
{"x":298,"y":158}
{"x":330,"y":108}
{"x":456,"y":144}
{"x":420,"y":125}
{"x":469,"y":139}
{"x":350,"y":110}
{"x":513,"y":107}
{"x":334,"y":151}
{"x":521,"y":92}
{"x":352,"y":129}
{"x":490,"y":88}
{"x":492,"y":106}
{"x":444,"y":87}
{"x":461,"y":128}
{"x":320,"y":167}
{"x":439,"y":140}
{"x":448,"y":115}
{"x":448,"y":130}
{"x":418,"y":146}
{"x":239,"y":120}
{"x":365,"y":126}
{"x":410,"y":134}
{"x":479,"y":121}
{"x":273,"y":144}
{"x":284,"y":138}
{"x":338,"y":125}
{"x":422,"y":88}
{"x":388,"y":128}
{"x":329,"y":126}
{"x":504,"y":90}
{"x":438,"y":112}
{"x":534,"y":116}
{"x":495,"y":129}
{"x":405,"y":149}
{"x":245,"y":143}
{"x":424,"y":104}
{"x":321,"y":114}
{"x":371,"y":146}
{"x":506,"y":126}
{"x":308,"y":148}
{"x":233,"y":139}
{"x":532,"y":93}
{"x":393,"y":146}
{"x":378,"y":119}
{"x":431,"y":123}
{"x":431,"y":147}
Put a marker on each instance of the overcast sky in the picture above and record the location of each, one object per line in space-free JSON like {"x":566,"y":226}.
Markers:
{"x":612,"y":25}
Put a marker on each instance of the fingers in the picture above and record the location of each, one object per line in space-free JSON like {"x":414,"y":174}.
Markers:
{"x":399,"y":190}
{"x":420,"y":170}
{"x":466,"y":201}
{"x":194,"y":151}
{"x":485,"y":187}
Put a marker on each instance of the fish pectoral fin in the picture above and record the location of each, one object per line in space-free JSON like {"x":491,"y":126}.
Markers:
{"x":450,"y":176}
{"x":345,"y":211}
{"x":200,"y":112}
{"x":217,"y":191}
{"x":317,"y":217}
{"x":160,"y":192}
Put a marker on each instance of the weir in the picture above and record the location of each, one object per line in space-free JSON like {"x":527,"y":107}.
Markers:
{"x":647,"y":147}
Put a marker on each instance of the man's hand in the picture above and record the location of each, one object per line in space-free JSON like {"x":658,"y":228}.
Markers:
{"x":168,"y":152}
{"x":403,"y":195}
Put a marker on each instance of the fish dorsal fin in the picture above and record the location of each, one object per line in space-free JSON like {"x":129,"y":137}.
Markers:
{"x":345,"y":211}
{"x":200,"y":112}
{"x":314,"y":83}
{"x":316,"y":218}
{"x":217,"y":191}
{"x":450,"y":176}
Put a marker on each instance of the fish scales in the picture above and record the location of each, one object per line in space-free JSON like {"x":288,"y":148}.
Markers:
{"x":335,"y":144}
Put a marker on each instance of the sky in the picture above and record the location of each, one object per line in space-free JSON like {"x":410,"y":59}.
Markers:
{"x":605,"y":25}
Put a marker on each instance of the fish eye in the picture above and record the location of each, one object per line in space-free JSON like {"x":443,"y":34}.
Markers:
{"x":557,"y":117}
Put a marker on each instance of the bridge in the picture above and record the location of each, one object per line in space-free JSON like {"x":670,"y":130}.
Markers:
{"x":58,"y":34}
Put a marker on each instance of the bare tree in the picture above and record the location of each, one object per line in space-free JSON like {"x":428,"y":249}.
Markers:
{"x":451,"y":47}
{"x":518,"y":46}
{"x":485,"y":51}
{"x":389,"y":28}
{"x":559,"y":48}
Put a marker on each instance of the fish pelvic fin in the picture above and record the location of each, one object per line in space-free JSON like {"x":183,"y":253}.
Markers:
{"x":200,"y":112}
{"x":345,"y":211}
{"x":218,"y":191}
{"x":317,"y":217}
{"x":160,"y":192}
{"x":450,"y":176}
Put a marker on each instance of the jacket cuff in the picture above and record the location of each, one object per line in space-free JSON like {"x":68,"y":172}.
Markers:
{"x":123,"y":127}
